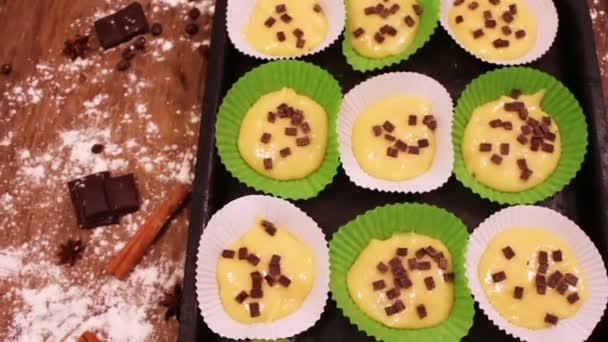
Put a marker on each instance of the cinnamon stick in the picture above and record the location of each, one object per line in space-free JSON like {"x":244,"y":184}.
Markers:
{"x":125,"y":261}
{"x":87,"y":336}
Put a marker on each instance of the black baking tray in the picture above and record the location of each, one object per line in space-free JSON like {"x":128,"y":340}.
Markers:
{"x":572,"y":59}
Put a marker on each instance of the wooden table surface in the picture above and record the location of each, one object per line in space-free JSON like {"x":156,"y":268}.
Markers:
{"x":52,"y":110}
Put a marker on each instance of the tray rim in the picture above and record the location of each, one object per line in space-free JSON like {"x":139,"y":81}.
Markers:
{"x":591,"y":100}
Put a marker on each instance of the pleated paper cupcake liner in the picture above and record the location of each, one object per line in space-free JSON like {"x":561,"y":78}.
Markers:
{"x":306,"y":79}
{"x":374,"y":89}
{"x":239,"y":11}
{"x":558,"y":102}
{"x":428,"y":24}
{"x":381,"y":223}
{"x":573,"y":329}
{"x":228,"y":225}
{"x":544,"y":12}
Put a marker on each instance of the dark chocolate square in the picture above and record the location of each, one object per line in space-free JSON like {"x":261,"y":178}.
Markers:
{"x":80,"y":191}
{"x":122,"y":194}
{"x":121,"y":26}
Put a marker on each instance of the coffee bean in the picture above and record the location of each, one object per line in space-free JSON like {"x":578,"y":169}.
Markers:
{"x":156,"y":29}
{"x":194,"y":13}
{"x":191,"y":29}
{"x":140,"y":43}
{"x":123,"y":65}
{"x":6,"y":69}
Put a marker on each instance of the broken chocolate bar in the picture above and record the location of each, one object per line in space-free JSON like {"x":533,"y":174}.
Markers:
{"x":90,"y":202}
{"x":121,"y":26}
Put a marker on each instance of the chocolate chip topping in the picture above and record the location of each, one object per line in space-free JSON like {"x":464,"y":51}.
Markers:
{"x":519,"y":34}
{"x":499,"y":276}
{"x":526,"y":130}
{"x":507,"y":125}
{"x":518,"y":292}
{"x":561,"y":287}
{"x":191,"y":29}
{"x":554,"y":279}
{"x":442,"y":263}
{"x":401,"y":251}
{"x":269,"y":22}
{"x":392,"y":152}
{"x":572,"y":298}
{"x":543,"y":268}
{"x":490,"y":23}
{"x":388,"y":29}
{"x":423,"y":265}
{"x":253,"y":259}
{"x":268,"y":163}
{"x":300,"y":43}
{"x":522,"y":164}
{"x":271,"y":117}
{"x":420,"y":253}
{"x":270,"y":280}
{"x":506,"y":30}
{"x":485,"y":147}
{"x":400,"y":145}
{"x":547,"y":148}
{"x":240,"y":298}
{"x":417,"y":9}
{"x":389,"y":137}
{"x":97,"y":148}
{"x":507,"y":16}
{"x":358,"y":32}
{"x":515,"y":93}
{"x":487,"y":14}
{"x":500,"y":43}
{"x":291,"y":131}
{"x":571,"y":279}
{"x":411,"y":263}
{"x":543,"y":257}
{"x":412,"y":120}
{"x":496,"y":159}
{"x":526,"y":174}
{"x":228,"y":254}
{"x":421,"y":311}
{"x":413,"y":150}
{"x":381,"y":267}
{"x":243,"y":253}
{"x":478,"y":33}
{"x":448,"y":277}
{"x":541,"y":284}
{"x":459,"y":19}
{"x":285,"y":152}
{"x":256,"y":280}
{"x":265,"y":138}
{"x":269,"y":227}
{"x":254,"y":309}
{"x":429,"y":282}
{"x":378,"y":285}
{"x":557,"y":255}
{"x":256,"y":293}
{"x":458,"y":2}
{"x":388,"y":126}
{"x":378,"y":37}
{"x":504,"y":149}
{"x":522,"y":139}
{"x":317,"y":8}
{"x":305,"y":127}
{"x":156,"y":29}
{"x":473,"y":5}
{"x":370,"y":10}
{"x":281,"y":8}
{"x":298,"y":32}
{"x":495,"y":2}
{"x":403,"y":282}
{"x":284,"y":281}
{"x":513,"y":8}
{"x":422,"y":143}
{"x":551,"y":319}
{"x":409,"y":21}
{"x":393,"y":293}
{"x":281,"y":36}
{"x":286,"y":18}
{"x":508,"y":252}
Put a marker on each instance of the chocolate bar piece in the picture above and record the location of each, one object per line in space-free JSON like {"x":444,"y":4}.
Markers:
{"x":122,"y":194}
{"x":90,"y":202}
{"x":121,"y":26}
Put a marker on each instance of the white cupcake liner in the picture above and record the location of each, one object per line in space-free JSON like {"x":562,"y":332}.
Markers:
{"x":547,"y":21}
{"x":371,"y":91}
{"x":238,"y":13}
{"x":575,"y":328}
{"x":227,"y":226}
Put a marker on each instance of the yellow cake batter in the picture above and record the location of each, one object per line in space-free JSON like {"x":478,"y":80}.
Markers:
{"x":483,"y":46}
{"x":365,"y":44}
{"x":506,"y":176}
{"x":297,"y":263}
{"x":306,"y":15}
{"x":363,"y":273}
{"x":303,"y":160}
{"x":371,"y":151}
{"x":529,"y":312}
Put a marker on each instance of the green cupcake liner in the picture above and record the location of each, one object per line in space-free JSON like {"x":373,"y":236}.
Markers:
{"x":428,"y":23}
{"x":558,"y":102}
{"x":381,"y":223}
{"x":306,"y":79}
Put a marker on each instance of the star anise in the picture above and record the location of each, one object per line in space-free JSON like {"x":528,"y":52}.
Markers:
{"x":172,"y":302}
{"x":77,"y":47}
{"x":70,"y":252}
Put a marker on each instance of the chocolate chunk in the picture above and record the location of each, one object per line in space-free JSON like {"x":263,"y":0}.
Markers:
{"x":523,"y":113}
{"x":513,"y":8}
{"x":515,"y":93}
{"x":459,"y":19}
{"x":411,"y":263}
{"x":550,"y":136}
{"x":413,"y":150}
{"x":525,"y":174}
{"x":317,"y":8}
{"x":432,"y":125}
{"x":421,"y":310}
{"x":303,"y":141}
{"x":377,"y":130}
{"x":508,"y":252}
{"x":554,"y":279}
{"x":401,"y":251}
{"x":305,"y":127}
{"x":448,"y":277}
{"x":228,"y":254}
{"x":271,"y":117}
{"x":381,"y":267}
{"x":431,"y":251}
{"x":191,"y":29}
{"x":409,"y":21}
{"x":442,"y":263}
{"x":422,"y":143}
{"x":499,"y":276}
{"x":473,"y":5}
{"x":389,"y":137}
{"x":284,"y":281}
{"x":535,"y":144}
{"x":507,"y":16}
{"x":533,"y":122}
{"x":421,"y":253}
{"x":400,"y":145}
{"x":572,"y":298}
{"x":122,"y":194}
{"x":378,"y":285}
{"x":562,"y":287}
{"x":403,"y":282}
{"x":269,"y":22}
{"x":291,"y":131}
{"x":522,"y":139}
{"x":542,"y":268}
{"x":274,"y":269}
{"x":121,"y":26}
{"x":123,"y":65}
{"x":254,"y":309}
{"x":378,"y":37}
{"x":395,"y":262}
{"x":385,"y":13}
{"x":506,"y":30}
{"x":500,"y":43}
{"x":6,"y":69}
{"x":388,"y":126}
{"x":541,"y":284}
{"x":495,"y":2}
{"x":269,"y":227}
{"x":253,"y":259}
{"x":525,"y":129}
{"x":417,"y":9}
{"x":518,"y":292}
{"x":370,"y":10}
{"x":571,"y":279}
{"x":256,"y":280}
{"x":358,"y":32}
{"x":557,"y":255}
{"x":281,"y":8}
{"x":519,"y":34}
{"x":412,"y":120}
{"x":507,"y":125}
{"x":90,"y":202}
{"x":300,"y":43}
{"x":496,"y":123}
{"x":423,"y":265}
{"x":393,"y":293}
{"x":547,"y":148}
{"x":546,"y":120}
{"x":551,"y":319}
{"x":458,"y":2}
{"x":394,"y":8}
{"x":240,"y":298}
{"x":390,"y":310}
{"x":285,"y":152}
{"x":429,"y":282}
{"x":298,"y":32}
{"x":265,"y":138}
{"x":388,"y":29}
{"x":269,"y":280}
{"x":485,"y":147}
{"x":268,"y":163}
{"x":256,"y":293}
{"x":487,"y":14}
{"x":490,"y":23}
{"x":243,"y":253}
{"x":275,"y":259}
{"x":392,"y":152}
{"x":522,"y":164}
{"x":504,"y":149}
{"x":478,"y":33}
{"x":543,"y":257}
{"x":281,"y":36}
{"x":496,"y":159}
